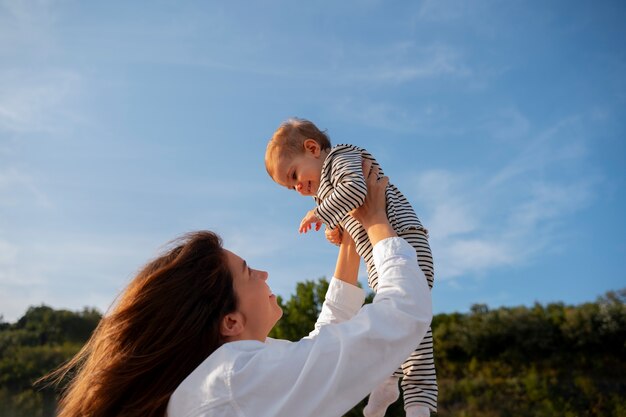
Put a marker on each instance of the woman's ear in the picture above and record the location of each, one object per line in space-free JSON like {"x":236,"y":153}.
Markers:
{"x":311,"y":146}
{"x":232,"y":325}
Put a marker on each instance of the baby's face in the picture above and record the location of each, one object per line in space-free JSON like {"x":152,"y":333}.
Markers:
{"x":301,"y":172}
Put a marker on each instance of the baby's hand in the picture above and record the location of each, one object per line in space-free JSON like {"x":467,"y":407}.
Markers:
{"x":334,"y":235}
{"x":308,"y":220}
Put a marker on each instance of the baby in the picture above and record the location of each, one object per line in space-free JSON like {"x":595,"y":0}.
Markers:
{"x":300,"y":157}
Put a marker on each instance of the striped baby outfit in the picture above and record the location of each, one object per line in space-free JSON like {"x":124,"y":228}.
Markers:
{"x":342,"y":188}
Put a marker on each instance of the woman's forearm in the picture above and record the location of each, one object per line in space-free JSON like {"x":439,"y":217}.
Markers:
{"x":347,"y":267}
{"x":380,"y":231}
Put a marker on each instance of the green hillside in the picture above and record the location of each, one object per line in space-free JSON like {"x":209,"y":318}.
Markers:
{"x":546,"y":360}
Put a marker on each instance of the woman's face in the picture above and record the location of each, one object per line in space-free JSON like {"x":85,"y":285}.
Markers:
{"x":255,"y":300}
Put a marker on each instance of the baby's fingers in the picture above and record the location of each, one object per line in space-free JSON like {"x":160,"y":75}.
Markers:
{"x":304,"y":226}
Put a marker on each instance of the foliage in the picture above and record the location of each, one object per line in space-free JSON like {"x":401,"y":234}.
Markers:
{"x":553,"y":360}
{"x":38,"y":342}
{"x":301,"y":310}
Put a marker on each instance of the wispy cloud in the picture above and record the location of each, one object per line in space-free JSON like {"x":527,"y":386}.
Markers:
{"x":19,"y":188}
{"x":393,"y":116}
{"x":8,"y":255}
{"x":557,"y":144}
{"x":365,"y":65}
{"x":380,"y":114}
{"x":38,"y":102}
{"x":483,"y":221}
{"x":26,"y":24}
{"x":69,"y":271}
{"x":443,"y":10}
{"x":508,"y":125}
{"x":35,"y":95}
{"x":406,"y":61}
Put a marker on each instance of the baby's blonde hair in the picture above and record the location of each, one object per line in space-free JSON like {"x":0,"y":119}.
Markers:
{"x":288,"y":140}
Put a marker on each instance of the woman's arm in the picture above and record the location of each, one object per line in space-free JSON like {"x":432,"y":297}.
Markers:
{"x":327,"y":374}
{"x":347,"y":267}
{"x":343,"y":302}
{"x":343,"y":298}
{"x":372,"y":214}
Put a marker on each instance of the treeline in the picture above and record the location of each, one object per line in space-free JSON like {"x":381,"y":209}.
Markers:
{"x":546,"y":360}
{"x":554,"y":360}
{"x":37,"y":343}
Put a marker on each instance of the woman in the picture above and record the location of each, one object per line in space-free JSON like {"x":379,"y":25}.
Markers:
{"x":188,"y":337}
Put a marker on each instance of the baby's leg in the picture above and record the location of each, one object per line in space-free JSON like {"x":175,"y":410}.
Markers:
{"x":419,"y":381}
{"x":419,"y":240}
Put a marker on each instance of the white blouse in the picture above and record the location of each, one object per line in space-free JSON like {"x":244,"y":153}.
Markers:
{"x":350,"y":352}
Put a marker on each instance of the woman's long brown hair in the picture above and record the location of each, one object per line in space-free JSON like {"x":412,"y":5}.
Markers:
{"x":163,"y":326}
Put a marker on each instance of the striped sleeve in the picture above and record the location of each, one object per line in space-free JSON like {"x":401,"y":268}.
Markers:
{"x":349,"y":188}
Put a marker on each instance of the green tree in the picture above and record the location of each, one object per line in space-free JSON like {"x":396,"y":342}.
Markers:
{"x":30,"y":348}
{"x":301,"y":310}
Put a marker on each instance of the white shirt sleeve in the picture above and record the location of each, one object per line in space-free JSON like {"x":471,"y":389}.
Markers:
{"x":342,"y":302}
{"x":329,"y":372}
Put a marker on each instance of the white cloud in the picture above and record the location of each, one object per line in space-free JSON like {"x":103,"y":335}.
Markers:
{"x":504,"y":229}
{"x":452,"y":213}
{"x":484,"y":221}
{"x":72,"y":273}
{"x":376,"y":114}
{"x":474,"y":256}
{"x":509,"y":124}
{"x":404,"y":62}
{"x":8,"y":255}
{"x":549,"y":201}
{"x":42,"y":101}
{"x":25,"y":27}
{"x":35,"y":95}
{"x":18,"y":188}
{"x":442,"y":10}
{"x":397,"y":118}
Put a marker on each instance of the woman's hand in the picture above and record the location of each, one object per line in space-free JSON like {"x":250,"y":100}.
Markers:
{"x":373,"y":212}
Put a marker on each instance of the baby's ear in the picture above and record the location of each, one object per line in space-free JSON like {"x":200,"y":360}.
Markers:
{"x":311,"y":146}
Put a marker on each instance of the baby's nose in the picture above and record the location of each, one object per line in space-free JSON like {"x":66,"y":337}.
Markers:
{"x":299,"y":187}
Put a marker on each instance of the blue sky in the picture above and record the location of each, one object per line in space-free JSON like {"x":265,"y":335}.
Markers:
{"x":126,"y":124}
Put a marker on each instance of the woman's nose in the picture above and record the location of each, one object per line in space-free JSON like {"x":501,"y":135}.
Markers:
{"x":264,"y":275}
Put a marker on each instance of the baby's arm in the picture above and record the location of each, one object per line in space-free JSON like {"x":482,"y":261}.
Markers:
{"x":309,"y":219}
{"x":349,"y":188}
